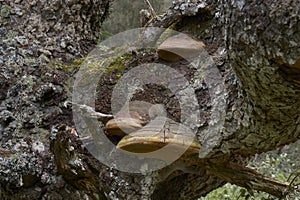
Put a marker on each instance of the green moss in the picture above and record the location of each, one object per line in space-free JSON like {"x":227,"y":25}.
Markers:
{"x":9,"y":37}
{"x":104,"y":35}
{"x":119,"y":64}
{"x":30,"y":61}
{"x":5,"y":11}
{"x":76,"y":64}
{"x":29,"y":82}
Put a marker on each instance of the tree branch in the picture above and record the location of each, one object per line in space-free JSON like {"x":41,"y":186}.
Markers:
{"x":250,"y":179}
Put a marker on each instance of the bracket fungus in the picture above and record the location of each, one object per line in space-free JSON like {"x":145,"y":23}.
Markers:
{"x":132,"y":117}
{"x":120,"y":126}
{"x":180,"y":47}
{"x":145,"y":128}
{"x":160,"y":133}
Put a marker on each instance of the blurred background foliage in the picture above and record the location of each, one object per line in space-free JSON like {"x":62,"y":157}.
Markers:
{"x":125,"y":15}
{"x":279,"y":164}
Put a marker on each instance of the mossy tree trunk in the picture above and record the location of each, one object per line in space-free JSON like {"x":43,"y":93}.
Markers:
{"x":255,"y":45}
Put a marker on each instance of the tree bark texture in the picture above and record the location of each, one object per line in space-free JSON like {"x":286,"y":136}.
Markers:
{"x":254,"y":44}
{"x":36,"y":36}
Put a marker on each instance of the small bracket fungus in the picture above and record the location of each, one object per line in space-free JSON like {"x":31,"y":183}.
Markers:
{"x":139,"y":113}
{"x":180,"y":47}
{"x":121,"y":126}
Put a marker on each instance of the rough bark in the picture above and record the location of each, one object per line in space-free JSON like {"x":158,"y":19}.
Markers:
{"x":255,"y":45}
{"x":264,"y":52}
{"x":36,"y":37}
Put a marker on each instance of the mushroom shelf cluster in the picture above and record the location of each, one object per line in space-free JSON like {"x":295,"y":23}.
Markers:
{"x":145,"y":128}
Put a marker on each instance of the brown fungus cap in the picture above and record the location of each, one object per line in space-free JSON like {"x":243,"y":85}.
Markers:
{"x":139,"y":114}
{"x":121,"y":126}
{"x":152,"y":138}
{"x":178,"y":47}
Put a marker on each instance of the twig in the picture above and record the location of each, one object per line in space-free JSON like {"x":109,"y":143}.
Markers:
{"x":90,"y":111}
{"x":153,"y":14}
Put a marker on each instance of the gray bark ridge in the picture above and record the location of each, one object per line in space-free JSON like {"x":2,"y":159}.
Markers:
{"x":263,"y":49}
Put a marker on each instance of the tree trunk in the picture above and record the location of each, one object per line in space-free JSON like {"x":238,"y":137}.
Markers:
{"x":254,"y":46}
{"x":37,"y":37}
